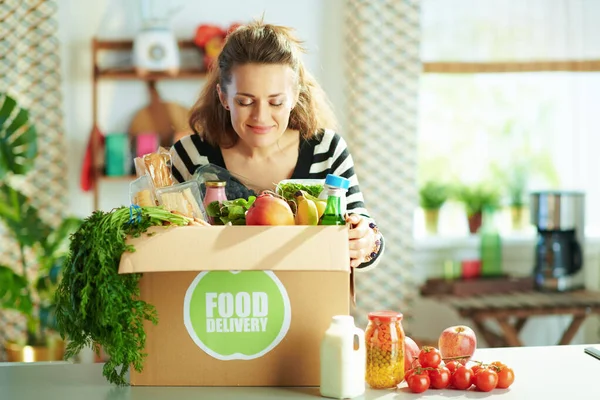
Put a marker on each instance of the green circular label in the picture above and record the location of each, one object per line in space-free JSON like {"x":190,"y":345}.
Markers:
{"x":237,"y":315}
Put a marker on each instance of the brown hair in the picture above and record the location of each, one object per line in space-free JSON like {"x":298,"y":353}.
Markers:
{"x":259,"y":43}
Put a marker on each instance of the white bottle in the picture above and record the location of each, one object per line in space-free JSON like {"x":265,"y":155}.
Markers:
{"x":343,"y":359}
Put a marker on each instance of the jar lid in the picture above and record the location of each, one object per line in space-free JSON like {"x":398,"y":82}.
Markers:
{"x":385,"y":316}
{"x":215,"y":183}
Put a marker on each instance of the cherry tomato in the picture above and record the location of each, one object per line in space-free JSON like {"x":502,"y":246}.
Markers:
{"x":430,"y":357}
{"x":452,"y":366}
{"x":461,"y":379}
{"x":439,"y":377}
{"x":476,"y":368}
{"x":506,"y":377}
{"x":486,"y":380}
{"x":418,"y":383}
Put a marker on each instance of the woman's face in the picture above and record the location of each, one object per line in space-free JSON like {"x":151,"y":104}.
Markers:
{"x":260,"y":98}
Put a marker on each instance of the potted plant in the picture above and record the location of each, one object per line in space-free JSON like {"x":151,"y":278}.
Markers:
{"x":432,"y":196}
{"x":517,"y":187}
{"x":475,"y":198}
{"x":41,"y":249}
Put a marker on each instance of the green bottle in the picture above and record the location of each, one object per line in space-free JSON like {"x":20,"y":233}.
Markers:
{"x":491,"y":246}
{"x":335,"y":188}
{"x":332,"y":214}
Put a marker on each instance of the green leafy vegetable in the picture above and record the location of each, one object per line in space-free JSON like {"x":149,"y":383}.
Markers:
{"x":287,"y":190}
{"x":233,"y":211}
{"x":95,"y":306}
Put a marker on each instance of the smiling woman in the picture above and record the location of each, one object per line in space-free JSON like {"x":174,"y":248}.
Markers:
{"x":263,"y":117}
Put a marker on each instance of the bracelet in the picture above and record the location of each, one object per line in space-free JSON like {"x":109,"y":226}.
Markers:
{"x":375,"y":252}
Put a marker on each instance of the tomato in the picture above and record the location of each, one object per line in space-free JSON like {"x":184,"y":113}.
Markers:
{"x":452,"y":366}
{"x":497,"y":364}
{"x":476,"y":368}
{"x":486,"y":380}
{"x":506,"y":377}
{"x":409,"y":373}
{"x":430,"y":357}
{"x":461,"y":379}
{"x":418,"y":383}
{"x":439,"y":378}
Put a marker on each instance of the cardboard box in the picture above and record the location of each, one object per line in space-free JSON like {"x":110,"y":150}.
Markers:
{"x":239,"y":305}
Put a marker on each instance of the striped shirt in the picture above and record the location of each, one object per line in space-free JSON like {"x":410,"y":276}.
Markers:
{"x":326,"y":153}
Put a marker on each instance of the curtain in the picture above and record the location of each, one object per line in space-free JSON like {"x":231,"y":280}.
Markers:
{"x":30,"y":72}
{"x":383,"y":68}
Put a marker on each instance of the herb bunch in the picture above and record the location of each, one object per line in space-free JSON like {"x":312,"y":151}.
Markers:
{"x":97,"y":307}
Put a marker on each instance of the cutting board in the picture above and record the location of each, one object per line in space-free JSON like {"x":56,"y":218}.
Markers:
{"x":167,"y":119}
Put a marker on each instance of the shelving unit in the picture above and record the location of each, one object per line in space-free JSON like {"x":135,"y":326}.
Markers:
{"x":103,"y":73}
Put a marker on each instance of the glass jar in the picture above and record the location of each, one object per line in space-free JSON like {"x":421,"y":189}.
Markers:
{"x":384,"y":340}
{"x":215,"y":191}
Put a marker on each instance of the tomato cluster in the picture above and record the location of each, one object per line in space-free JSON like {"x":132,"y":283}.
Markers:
{"x":429,"y":370}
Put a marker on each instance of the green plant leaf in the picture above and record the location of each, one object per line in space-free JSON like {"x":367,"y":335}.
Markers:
{"x":18,"y":138}
{"x":21,"y":218}
{"x":13,"y":292}
{"x":433,"y":195}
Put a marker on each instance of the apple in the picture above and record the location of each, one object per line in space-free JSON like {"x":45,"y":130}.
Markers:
{"x":458,"y":341}
{"x":411,"y":350}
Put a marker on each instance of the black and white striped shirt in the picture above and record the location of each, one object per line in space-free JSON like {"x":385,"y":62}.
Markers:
{"x":326,"y":153}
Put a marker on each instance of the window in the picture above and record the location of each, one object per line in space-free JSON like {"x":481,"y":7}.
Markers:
{"x":510,"y":86}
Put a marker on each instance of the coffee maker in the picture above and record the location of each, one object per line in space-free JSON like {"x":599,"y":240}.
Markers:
{"x":559,"y":219}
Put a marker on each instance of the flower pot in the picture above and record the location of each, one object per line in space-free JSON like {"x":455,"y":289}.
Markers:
{"x":474,"y":222}
{"x":518,"y":217}
{"x":54,"y":351}
{"x":431,"y":220}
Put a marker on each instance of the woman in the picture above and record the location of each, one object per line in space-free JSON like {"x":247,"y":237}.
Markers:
{"x":262,"y":116}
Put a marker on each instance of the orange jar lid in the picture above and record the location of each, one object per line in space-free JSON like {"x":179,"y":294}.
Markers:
{"x":385,"y":316}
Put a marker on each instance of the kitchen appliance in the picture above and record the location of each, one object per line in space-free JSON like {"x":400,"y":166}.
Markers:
{"x":155,"y":47}
{"x":559,"y":217}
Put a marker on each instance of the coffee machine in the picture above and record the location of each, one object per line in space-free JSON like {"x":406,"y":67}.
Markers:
{"x":559,"y":219}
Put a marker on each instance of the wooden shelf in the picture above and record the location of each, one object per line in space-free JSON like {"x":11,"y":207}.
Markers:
{"x":130,"y":74}
{"x":124,"y":178}
{"x":127,"y":44}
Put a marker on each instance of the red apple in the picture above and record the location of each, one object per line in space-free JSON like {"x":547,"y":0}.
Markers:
{"x":411,"y":350}
{"x":458,"y":341}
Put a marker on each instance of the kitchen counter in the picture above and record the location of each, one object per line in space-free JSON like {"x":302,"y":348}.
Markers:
{"x":549,"y":372}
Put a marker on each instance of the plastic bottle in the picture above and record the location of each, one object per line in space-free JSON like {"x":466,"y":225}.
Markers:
{"x":335,"y":190}
{"x":490,"y":246}
{"x":336,"y":182}
{"x":384,"y":340}
{"x":343,"y":359}
{"x":215,"y":191}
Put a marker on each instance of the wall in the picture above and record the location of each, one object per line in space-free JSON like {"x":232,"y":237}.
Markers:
{"x":80,"y":21}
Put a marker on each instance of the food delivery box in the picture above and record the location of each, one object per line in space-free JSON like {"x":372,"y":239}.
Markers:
{"x":239,"y":305}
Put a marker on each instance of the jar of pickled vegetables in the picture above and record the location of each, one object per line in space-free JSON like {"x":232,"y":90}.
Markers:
{"x":384,"y":340}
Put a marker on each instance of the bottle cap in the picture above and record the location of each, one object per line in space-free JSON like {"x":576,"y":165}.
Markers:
{"x":337,"y":181}
{"x":215,"y":183}
{"x":385,"y":316}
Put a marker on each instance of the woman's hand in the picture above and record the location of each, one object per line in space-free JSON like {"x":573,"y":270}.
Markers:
{"x":362,"y":239}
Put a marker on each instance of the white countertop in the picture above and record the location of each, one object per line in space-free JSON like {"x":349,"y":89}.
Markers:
{"x":550,"y":373}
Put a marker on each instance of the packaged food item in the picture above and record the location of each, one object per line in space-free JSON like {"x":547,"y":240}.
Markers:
{"x":287,"y":188}
{"x":384,"y":339}
{"x":183,"y":198}
{"x":141,"y":192}
{"x":157,"y":166}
